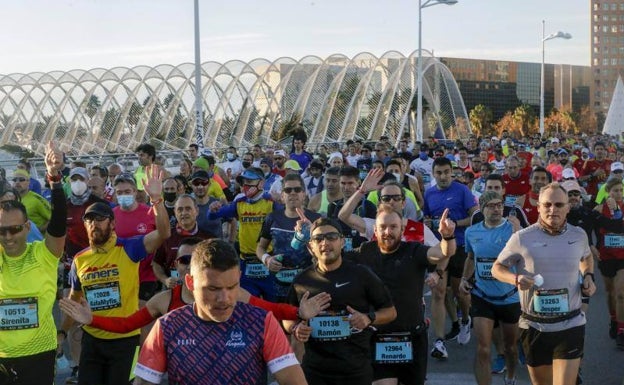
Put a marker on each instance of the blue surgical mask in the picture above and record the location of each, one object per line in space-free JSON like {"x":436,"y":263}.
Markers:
{"x":125,"y":201}
{"x":423,"y":155}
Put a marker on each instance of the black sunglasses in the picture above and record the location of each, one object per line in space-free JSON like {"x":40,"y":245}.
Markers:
{"x":333,"y":236}
{"x":15,"y":180}
{"x":184,"y":259}
{"x":289,"y":190}
{"x":388,"y":198}
{"x":12,"y":229}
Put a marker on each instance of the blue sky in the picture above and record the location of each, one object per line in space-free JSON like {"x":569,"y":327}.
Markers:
{"x":44,"y":35}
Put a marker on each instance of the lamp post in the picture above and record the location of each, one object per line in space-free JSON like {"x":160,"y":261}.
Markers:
{"x":421,"y":5}
{"x":559,"y":34}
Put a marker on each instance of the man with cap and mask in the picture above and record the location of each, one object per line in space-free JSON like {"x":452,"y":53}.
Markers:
{"x":105,"y":275}
{"x":266,"y":165}
{"x":37,"y":207}
{"x":250,"y":208}
{"x":77,"y":239}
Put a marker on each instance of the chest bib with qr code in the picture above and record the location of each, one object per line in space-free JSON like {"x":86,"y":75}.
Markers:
{"x":484,"y":267}
{"x":103,"y":296}
{"x":614,"y":240}
{"x":551,"y":302}
{"x":393,"y":348}
{"x":287,"y":275}
{"x":19,"y":313}
{"x":256,"y":270}
{"x":330,"y":327}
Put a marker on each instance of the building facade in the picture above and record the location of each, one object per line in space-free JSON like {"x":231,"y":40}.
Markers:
{"x":607,"y":50}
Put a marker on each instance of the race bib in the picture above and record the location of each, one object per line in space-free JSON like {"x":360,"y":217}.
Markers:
{"x":484,"y":268}
{"x":287,"y":275}
{"x":551,"y":302}
{"x":103,"y":296}
{"x":348,"y":244}
{"x":393,"y":348}
{"x":19,"y":313}
{"x":330,"y":327}
{"x":614,"y":240}
{"x":510,"y":200}
{"x":256,"y":270}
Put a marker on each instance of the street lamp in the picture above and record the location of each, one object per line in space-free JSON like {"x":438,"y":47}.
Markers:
{"x":559,"y":34}
{"x":421,"y":5}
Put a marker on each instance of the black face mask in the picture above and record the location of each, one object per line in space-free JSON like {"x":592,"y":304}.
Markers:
{"x":246,"y":164}
{"x":170,"y":196}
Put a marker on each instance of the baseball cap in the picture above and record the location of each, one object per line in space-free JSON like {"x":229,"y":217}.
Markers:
{"x":292,"y":165}
{"x":562,"y":151}
{"x":554,"y":140}
{"x":279,"y":153}
{"x":495,"y":138}
{"x":80,"y":171}
{"x":267,"y":161}
{"x":571,"y":185}
{"x":99,"y":209}
{"x":251,"y":173}
{"x":585,"y":150}
{"x":201,"y":163}
{"x":200,"y":174}
{"x":124,"y":177}
{"x":20,"y":172}
{"x":567,"y":173}
{"x":617,"y":166}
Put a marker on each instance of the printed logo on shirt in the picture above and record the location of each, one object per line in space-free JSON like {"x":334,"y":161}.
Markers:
{"x":236,"y":340}
{"x":142,"y":228}
{"x":186,"y":342}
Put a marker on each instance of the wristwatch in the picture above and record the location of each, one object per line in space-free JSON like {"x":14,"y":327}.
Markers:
{"x":372,"y":316}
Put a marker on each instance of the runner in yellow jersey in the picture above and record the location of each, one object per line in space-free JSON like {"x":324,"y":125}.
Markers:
{"x":28,"y":273}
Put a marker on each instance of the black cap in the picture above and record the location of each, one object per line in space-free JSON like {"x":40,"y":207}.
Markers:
{"x":100,"y":209}
{"x":200,"y":174}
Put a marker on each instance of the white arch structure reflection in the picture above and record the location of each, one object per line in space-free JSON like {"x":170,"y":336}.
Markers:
{"x":337,"y":98}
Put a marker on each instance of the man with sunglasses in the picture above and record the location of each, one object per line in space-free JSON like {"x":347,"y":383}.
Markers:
{"x":206,"y":191}
{"x":107,"y":275}
{"x":337,"y":342}
{"x":402,"y":267}
{"x":37,"y":207}
{"x":249,"y":208}
{"x":277,"y":233}
{"x":28,"y":275}
{"x":547,"y":258}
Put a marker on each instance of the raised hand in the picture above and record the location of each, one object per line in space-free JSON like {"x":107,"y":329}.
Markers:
{"x":152,"y":183}
{"x":371,"y":182}
{"x":447,"y":226}
{"x":302,"y":221}
{"x":311,"y":307}
{"x":53,"y":159}
{"x":81,"y":312}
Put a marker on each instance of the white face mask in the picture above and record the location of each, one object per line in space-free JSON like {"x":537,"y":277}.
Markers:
{"x":397,"y":176}
{"x":230,"y":156}
{"x":78,"y":187}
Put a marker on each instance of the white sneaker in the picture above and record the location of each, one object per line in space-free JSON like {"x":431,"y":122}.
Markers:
{"x":439,"y":350}
{"x":464,"y":332}
{"x":510,"y":381}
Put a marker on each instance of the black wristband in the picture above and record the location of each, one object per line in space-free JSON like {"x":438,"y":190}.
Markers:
{"x":449,"y":238}
{"x":61,"y":331}
{"x":440,"y":273}
{"x":372,"y":316}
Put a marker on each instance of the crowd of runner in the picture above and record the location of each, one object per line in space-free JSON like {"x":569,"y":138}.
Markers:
{"x":300,"y":265}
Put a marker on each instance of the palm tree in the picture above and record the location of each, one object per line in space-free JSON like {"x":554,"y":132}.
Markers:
{"x":93,"y":105}
{"x":481,"y":119}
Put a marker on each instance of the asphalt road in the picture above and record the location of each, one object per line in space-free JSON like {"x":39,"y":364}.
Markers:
{"x":603,"y":363}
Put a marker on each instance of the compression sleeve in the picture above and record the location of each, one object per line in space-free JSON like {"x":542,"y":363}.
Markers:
{"x":140,"y":318}
{"x":281,"y":311}
{"x":58,"y":221}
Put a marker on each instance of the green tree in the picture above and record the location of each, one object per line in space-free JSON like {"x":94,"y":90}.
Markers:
{"x":481,"y":120}
{"x":524,"y":116}
{"x":93,"y":105}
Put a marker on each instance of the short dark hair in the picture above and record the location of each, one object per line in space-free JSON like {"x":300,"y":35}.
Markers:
{"x":194,"y":145}
{"x":441,"y":161}
{"x":541,"y":169}
{"x":350,"y":171}
{"x":393,"y":162}
{"x":325,"y":222}
{"x":190,"y":241}
{"x":14,"y":206}
{"x":215,"y":254}
{"x":333,"y":171}
{"x":291,"y":178}
{"x":497,"y":177}
{"x":148,"y":149}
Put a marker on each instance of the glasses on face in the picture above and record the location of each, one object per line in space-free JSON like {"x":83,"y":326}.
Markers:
{"x":200,"y":182}
{"x":548,"y":205}
{"x":574,"y":194}
{"x":494,"y":206}
{"x":17,"y":180}
{"x":289,"y":190}
{"x":184,"y":259}
{"x":278,"y":158}
{"x":617,"y":172}
{"x":389,"y":198}
{"x":94,"y":218}
{"x":333,"y":236}
{"x":15,"y":229}
{"x":250,"y":185}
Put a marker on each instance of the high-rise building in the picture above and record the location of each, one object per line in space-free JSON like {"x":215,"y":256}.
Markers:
{"x":607,"y":50}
